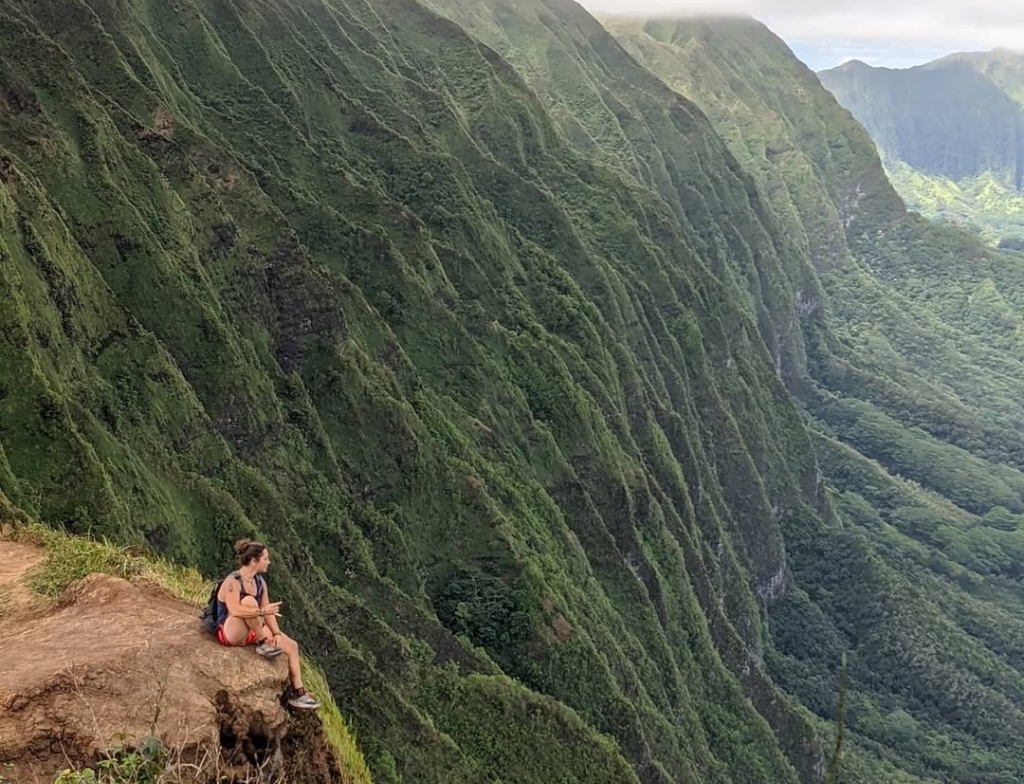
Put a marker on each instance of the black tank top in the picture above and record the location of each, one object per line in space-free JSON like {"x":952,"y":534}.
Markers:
{"x":222,"y":609}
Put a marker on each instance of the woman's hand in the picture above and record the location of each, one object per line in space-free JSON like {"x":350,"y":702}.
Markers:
{"x":272,"y":608}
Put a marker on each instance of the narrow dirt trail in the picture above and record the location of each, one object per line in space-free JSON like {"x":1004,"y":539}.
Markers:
{"x":16,"y":559}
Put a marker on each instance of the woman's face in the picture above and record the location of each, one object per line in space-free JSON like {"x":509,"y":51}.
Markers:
{"x":263,"y":562}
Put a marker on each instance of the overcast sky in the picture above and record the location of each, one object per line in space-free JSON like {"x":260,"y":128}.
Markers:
{"x":893,"y":33}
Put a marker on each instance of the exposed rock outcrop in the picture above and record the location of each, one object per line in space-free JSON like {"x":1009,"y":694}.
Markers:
{"x":116,"y":661}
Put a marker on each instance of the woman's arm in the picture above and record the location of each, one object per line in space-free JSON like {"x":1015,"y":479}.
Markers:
{"x":230,"y":593}
{"x":265,"y":603}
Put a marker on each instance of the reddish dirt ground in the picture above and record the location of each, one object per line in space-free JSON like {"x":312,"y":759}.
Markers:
{"x":16,"y":560}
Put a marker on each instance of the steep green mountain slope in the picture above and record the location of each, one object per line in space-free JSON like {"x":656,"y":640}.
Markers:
{"x":613,"y":110}
{"x":918,"y":371}
{"x":493,"y":335}
{"x":328,"y":272}
{"x":951,"y":132}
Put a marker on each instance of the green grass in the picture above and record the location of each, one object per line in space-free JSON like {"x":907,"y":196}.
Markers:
{"x":336,"y":730}
{"x":69,"y":558}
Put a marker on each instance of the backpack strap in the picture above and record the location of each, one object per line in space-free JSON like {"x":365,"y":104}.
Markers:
{"x":261,"y":585}
{"x":261,"y":588}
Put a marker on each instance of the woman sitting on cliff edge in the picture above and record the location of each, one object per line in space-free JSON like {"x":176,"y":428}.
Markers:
{"x":246,"y":616}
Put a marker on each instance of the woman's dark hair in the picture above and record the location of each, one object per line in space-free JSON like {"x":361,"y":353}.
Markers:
{"x":248,"y":551}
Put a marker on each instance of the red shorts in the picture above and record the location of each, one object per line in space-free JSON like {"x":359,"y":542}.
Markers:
{"x":250,"y":638}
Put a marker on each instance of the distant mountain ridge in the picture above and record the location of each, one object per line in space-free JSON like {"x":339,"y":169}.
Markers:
{"x":1005,"y":67}
{"x":947,"y":119}
{"x":951,"y":132}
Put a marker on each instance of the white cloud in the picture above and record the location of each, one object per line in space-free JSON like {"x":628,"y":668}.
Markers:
{"x":884,"y":32}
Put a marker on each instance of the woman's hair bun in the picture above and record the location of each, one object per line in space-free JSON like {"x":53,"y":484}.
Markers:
{"x":247,"y":551}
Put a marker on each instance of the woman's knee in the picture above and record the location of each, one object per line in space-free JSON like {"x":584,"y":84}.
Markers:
{"x":249,"y":601}
{"x":287,"y":643}
{"x":235,"y":632}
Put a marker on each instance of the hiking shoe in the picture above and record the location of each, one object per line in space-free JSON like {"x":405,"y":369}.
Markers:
{"x":267,"y":651}
{"x":303,"y":702}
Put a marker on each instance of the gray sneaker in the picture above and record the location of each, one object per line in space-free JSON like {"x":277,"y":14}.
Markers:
{"x":303,"y":702}
{"x":267,"y":651}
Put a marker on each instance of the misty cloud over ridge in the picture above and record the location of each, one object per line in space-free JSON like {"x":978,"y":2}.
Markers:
{"x":881,"y":32}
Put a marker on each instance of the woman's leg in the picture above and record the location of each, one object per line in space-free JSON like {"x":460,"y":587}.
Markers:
{"x":299,"y":698}
{"x":291,"y":650}
{"x":236,"y":630}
